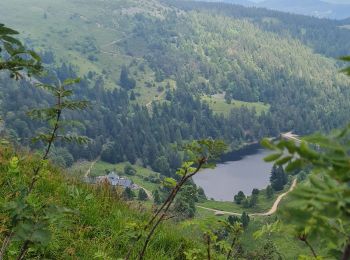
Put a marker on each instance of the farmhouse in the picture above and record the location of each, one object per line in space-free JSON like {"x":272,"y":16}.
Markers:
{"x":115,"y":180}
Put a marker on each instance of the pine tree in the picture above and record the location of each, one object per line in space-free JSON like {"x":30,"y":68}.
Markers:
{"x":132,"y":95}
{"x":246,"y":203}
{"x":107,"y":155}
{"x":129,"y":170}
{"x":253,"y":200}
{"x":161,"y":165}
{"x":278,"y":178}
{"x":156,"y":197}
{"x":245,"y":220}
{"x":239,"y":197}
{"x":142,"y":195}
{"x":125,"y":81}
{"x":269,"y":192}
{"x":228,"y":98}
{"x":233,"y":219}
{"x":255,"y":192}
{"x":128,"y":194}
{"x":124,"y":77}
{"x":201,"y":193}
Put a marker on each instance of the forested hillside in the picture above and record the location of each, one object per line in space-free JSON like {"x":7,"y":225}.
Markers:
{"x":152,"y":93}
{"x":157,"y":71}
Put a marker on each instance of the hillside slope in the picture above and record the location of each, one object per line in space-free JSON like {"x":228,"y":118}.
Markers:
{"x":100,"y":225}
{"x":174,"y":56}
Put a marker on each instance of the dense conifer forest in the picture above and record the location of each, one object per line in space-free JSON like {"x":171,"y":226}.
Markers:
{"x":187,"y":53}
{"x":156,"y":91}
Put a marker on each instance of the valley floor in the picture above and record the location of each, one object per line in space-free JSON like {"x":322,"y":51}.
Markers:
{"x":267,"y":213}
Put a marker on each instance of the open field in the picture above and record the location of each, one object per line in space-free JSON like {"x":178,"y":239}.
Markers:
{"x":89,"y":41}
{"x":220,"y":106}
{"x":79,"y":168}
{"x":264,"y":204}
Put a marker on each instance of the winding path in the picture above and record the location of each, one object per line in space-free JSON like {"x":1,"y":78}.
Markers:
{"x":102,"y":47}
{"x":87,"y":173}
{"x":149,"y":194}
{"x":268,"y":213}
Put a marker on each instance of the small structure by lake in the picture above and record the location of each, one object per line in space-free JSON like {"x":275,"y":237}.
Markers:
{"x":115,"y":180}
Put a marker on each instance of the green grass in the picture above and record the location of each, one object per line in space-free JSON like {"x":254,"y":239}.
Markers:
{"x":221,"y":205}
{"x":79,"y":168}
{"x":101,"y":168}
{"x":146,"y":95}
{"x":70,"y":23}
{"x":101,"y":225}
{"x":284,"y":239}
{"x":220,"y":106}
{"x":264,"y":204}
{"x":55,"y":34}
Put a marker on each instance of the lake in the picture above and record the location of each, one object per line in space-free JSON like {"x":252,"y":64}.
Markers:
{"x":242,"y":170}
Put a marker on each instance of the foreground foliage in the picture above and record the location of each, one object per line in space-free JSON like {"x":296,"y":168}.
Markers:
{"x":322,"y":205}
{"x":14,"y":57}
{"x":99,"y":221}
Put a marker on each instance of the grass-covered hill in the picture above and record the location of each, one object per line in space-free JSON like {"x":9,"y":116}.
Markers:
{"x":210,"y":42}
{"x":162,"y":72}
{"x":100,"y":223}
{"x":80,"y":32}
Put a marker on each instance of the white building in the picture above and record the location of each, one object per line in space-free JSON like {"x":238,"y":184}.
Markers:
{"x":115,"y":180}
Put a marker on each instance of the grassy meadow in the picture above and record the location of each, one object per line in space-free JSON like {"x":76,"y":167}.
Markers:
{"x":220,"y":106}
{"x":102,"y":168}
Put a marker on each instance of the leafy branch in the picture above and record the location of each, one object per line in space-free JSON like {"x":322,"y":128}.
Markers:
{"x":201,"y":153}
{"x":15,"y":57}
{"x":30,"y":223}
{"x":62,"y":95}
{"x":347,"y":69}
{"x":303,"y":238}
{"x":323,"y":205}
{"x":235,"y":230}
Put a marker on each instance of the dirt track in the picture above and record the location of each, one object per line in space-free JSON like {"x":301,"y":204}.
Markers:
{"x":268,"y":213}
{"x":87,"y":173}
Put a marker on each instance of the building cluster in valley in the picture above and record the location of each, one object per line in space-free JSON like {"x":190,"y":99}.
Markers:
{"x":113,"y":179}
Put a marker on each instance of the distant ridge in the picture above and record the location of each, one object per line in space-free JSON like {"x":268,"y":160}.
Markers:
{"x":316,"y":8}
{"x":239,"y":2}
